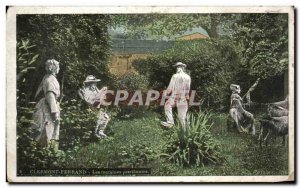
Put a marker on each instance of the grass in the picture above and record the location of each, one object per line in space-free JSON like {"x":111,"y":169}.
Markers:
{"x":139,"y":143}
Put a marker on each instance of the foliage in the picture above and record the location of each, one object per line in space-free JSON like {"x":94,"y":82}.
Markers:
{"x":77,"y":127}
{"x":131,"y":143}
{"x":159,"y":26}
{"x":29,"y":154}
{"x":136,"y":155}
{"x":210,"y":64}
{"x":241,"y":151}
{"x":263,"y":43}
{"x":26,"y":63}
{"x":74,"y":41}
{"x":25,"y":58}
{"x":78,"y":122}
{"x":194,"y":144}
{"x":79,"y":42}
{"x":26,"y":146}
{"x":132,"y":82}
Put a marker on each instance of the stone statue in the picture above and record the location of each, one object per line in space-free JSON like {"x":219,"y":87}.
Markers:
{"x":95,"y":97}
{"x":243,"y":120}
{"x":47,"y":112}
{"x":178,"y":95}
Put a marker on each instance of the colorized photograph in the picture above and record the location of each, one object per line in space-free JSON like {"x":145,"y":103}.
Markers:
{"x":140,"y":95}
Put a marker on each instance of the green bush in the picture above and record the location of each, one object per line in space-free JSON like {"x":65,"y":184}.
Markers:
{"x":194,"y":145}
{"x":77,"y":126}
{"x":29,"y":155}
{"x":210,"y":63}
{"x":132,"y":82}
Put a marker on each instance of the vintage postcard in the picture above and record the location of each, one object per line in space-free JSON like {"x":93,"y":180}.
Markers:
{"x":150,"y":94}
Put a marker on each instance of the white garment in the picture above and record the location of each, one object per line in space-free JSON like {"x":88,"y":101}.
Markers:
{"x":93,"y":96}
{"x":102,"y":122}
{"x":182,"y":107}
{"x":179,"y":89}
{"x":179,"y":86}
{"x":44,"y":122}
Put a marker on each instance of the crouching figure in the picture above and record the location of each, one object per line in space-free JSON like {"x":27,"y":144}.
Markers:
{"x":242,"y":119}
{"x":95,"y":98}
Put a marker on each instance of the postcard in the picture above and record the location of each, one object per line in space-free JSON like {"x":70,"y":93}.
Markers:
{"x":150,"y":94}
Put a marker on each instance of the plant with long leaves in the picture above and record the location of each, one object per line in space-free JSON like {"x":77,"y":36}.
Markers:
{"x":194,"y":145}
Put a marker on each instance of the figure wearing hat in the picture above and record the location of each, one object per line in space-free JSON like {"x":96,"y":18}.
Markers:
{"x":178,"y":95}
{"x":95,"y":97}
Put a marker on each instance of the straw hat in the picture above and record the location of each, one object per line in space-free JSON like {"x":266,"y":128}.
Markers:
{"x":179,"y":64}
{"x":91,"y":78}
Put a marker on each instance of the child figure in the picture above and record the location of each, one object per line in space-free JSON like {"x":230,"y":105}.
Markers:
{"x":95,"y":97}
{"x":241,"y":117}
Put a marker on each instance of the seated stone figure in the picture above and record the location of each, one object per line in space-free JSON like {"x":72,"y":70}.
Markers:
{"x":243,"y":120}
{"x":95,"y":97}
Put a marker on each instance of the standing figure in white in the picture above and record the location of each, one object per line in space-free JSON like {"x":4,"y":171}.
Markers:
{"x":47,"y":112}
{"x":178,"y":95}
{"x":95,"y":97}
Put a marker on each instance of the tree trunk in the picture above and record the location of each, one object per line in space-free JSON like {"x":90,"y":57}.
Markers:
{"x":213,"y":32}
{"x":62,"y":89}
{"x":212,"y":29}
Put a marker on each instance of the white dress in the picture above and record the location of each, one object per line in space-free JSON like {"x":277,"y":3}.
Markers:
{"x":44,"y":121}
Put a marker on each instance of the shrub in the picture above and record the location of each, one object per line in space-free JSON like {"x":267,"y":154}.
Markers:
{"x":194,"y":145}
{"x":210,"y":63}
{"x":132,"y":82}
{"x":77,"y":127}
{"x":29,"y":155}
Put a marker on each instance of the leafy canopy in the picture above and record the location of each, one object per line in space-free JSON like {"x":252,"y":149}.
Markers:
{"x":159,"y":26}
{"x":262,"y":43}
{"x":79,"y":42}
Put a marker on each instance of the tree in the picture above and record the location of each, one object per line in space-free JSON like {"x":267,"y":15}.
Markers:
{"x":79,"y":42}
{"x":167,"y":25}
{"x":262,"y":44}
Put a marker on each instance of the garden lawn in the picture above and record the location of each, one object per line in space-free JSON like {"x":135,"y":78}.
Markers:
{"x":138,"y":143}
